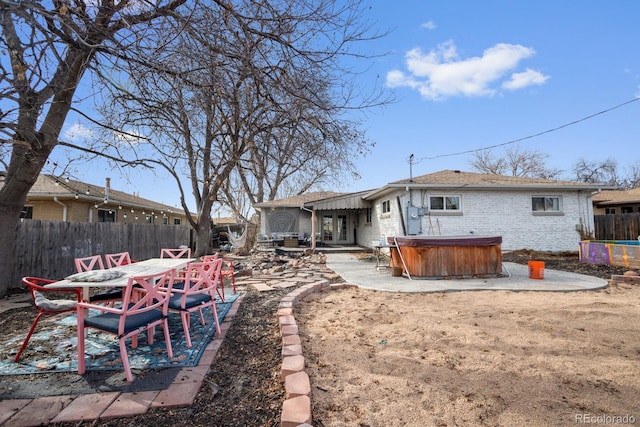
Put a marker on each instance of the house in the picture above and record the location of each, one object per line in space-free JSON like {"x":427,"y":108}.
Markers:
{"x":616,"y":202}
{"x":60,"y":199}
{"x":528,"y":213}
{"x":333,"y":218}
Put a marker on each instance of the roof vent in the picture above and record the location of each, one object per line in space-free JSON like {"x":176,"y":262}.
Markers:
{"x":456,"y":171}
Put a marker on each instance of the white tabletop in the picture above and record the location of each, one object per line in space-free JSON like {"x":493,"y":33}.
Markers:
{"x":141,"y":268}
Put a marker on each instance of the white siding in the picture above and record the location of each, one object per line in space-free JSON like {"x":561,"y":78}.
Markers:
{"x":505,"y":213}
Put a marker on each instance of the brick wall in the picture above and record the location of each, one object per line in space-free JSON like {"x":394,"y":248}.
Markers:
{"x":505,"y":213}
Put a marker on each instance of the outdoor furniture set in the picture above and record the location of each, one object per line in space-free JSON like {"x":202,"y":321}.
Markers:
{"x":135,"y":296}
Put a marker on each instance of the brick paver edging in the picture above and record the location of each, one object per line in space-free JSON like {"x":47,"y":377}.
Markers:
{"x":296,"y":408}
{"x":74,"y":409}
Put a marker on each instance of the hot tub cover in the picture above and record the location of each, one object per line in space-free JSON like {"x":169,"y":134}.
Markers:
{"x":424,"y":241}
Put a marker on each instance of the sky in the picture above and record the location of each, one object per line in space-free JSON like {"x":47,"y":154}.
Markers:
{"x":468,"y":75}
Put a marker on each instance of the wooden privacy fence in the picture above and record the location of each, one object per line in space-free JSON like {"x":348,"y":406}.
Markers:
{"x":48,"y":248}
{"x":617,"y":227}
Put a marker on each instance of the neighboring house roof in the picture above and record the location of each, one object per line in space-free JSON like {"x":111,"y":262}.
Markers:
{"x":297,"y":201}
{"x":617,"y":197}
{"x":49,"y":186}
{"x":224,"y":221}
{"x":455,"y":179}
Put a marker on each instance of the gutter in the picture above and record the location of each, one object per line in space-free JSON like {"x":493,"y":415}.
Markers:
{"x":313,"y":226}
{"x":65,"y":209}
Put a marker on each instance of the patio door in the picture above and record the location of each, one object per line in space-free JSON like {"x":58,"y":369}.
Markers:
{"x":335,"y":228}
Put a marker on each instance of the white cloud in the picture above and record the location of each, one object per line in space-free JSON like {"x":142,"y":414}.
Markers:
{"x":524,"y":79}
{"x":78,"y":132}
{"x":128,"y":137}
{"x":442,"y":73}
{"x":430,"y":25}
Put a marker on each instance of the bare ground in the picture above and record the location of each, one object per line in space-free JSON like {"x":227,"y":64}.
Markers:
{"x":483,"y":358}
{"x":456,"y":366}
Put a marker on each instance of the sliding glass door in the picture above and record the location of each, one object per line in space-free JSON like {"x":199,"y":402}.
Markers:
{"x":335,"y":228}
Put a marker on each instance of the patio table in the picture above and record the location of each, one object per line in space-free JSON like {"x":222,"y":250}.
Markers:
{"x":141,"y":268}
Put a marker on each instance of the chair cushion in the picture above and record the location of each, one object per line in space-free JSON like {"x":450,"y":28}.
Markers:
{"x":106,"y":295}
{"x":95,"y":276}
{"x":175,"y":302}
{"x":109,"y":321}
{"x":44,"y":303}
{"x":178,"y":285}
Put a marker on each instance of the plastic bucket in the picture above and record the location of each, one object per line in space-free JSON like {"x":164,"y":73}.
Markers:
{"x":536,"y":270}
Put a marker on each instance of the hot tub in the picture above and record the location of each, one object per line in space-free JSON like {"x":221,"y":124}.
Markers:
{"x":447,"y":256}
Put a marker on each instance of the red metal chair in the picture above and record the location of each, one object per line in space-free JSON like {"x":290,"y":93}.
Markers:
{"x":45,"y":305}
{"x":197,"y":293}
{"x":138,"y":313}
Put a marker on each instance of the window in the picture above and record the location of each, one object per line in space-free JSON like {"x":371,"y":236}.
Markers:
{"x":176,"y":221}
{"x":444,"y":203}
{"x":27,"y":212}
{"x":545,"y":204}
{"x":386,"y":206}
{"x":106,"y":215}
{"x":627,"y":209}
{"x":367,"y":216}
{"x":610,"y":211}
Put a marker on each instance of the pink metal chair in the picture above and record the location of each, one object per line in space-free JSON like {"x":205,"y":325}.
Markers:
{"x":197,"y":293}
{"x":227,"y":272}
{"x":141,"y":313}
{"x":45,"y":305}
{"x":108,"y":296}
{"x":89,"y":263}
{"x":116,"y":260}
{"x":175,"y":253}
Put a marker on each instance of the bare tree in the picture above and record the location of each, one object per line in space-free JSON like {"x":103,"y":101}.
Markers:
{"x":604,"y":171}
{"x":47,"y":48}
{"x":251,"y":101}
{"x":517,"y":161}
{"x":633,"y":176}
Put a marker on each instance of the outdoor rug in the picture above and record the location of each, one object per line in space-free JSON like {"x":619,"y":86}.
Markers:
{"x":102,"y":350}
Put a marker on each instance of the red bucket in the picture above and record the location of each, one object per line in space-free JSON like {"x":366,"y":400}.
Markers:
{"x":536,"y":270}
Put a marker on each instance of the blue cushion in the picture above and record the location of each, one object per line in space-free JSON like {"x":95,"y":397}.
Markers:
{"x":109,"y":321}
{"x":191,"y":301}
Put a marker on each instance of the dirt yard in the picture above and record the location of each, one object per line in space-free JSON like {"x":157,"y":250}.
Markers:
{"x":484,"y":358}
{"x":380,"y":359}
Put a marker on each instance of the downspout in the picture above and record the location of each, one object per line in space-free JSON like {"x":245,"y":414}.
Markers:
{"x":65,"y":209}
{"x":313,"y":226}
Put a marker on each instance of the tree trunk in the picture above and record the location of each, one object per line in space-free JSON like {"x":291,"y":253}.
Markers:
{"x":203,"y":228}
{"x":203,"y":237}
{"x":23,"y":172}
